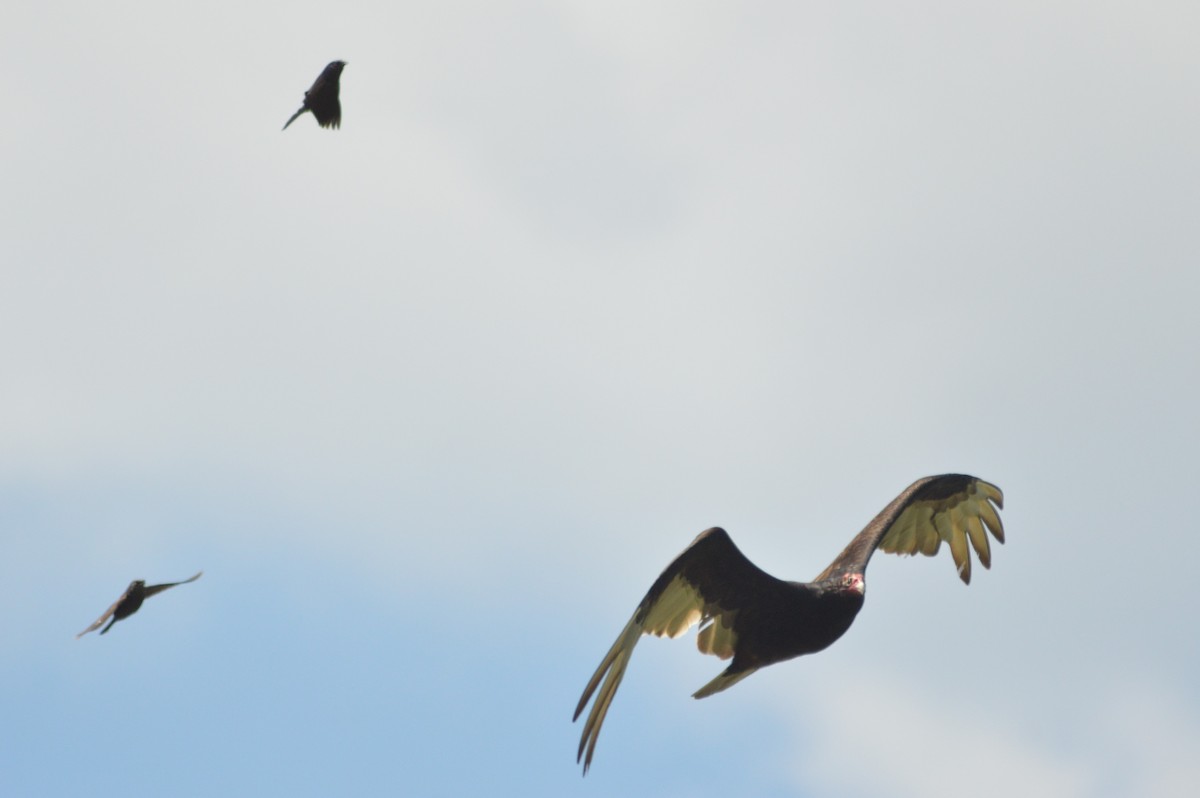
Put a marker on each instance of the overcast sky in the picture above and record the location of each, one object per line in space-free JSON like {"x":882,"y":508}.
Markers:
{"x":432,"y":399}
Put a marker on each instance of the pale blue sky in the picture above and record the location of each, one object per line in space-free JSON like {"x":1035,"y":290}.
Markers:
{"x":432,"y":399}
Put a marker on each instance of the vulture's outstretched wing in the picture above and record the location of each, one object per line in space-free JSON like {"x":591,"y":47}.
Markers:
{"x":107,"y":614}
{"x":152,"y":589}
{"x":953,"y":508}
{"x":708,"y":583}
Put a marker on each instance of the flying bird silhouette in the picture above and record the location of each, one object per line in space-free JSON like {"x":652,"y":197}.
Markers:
{"x":758,"y":620}
{"x":130,"y":601}
{"x":322,"y":98}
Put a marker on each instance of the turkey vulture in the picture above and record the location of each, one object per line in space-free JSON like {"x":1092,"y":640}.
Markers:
{"x":322,"y":98}
{"x":130,"y":601}
{"x":747,"y":614}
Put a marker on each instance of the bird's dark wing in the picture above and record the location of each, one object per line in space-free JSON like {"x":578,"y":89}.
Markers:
{"x":953,"y":508}
{"x":329,"y":116}
{"x":152,"y":589}
{"x":107,"y":614}
{"x":325,"y":106}
{"x":708,"y":583}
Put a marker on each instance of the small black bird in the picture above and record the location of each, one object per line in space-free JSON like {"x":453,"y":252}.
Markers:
{"x":130,"y":601}
{"x":322,"y":98}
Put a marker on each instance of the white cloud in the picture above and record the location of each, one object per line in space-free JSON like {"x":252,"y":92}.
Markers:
{"x":863,"y":735}
{"x":1146,"y":742}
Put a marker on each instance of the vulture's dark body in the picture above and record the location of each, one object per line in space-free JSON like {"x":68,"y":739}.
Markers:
{"x":775,"y":619}
{"x":799,"y":619}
